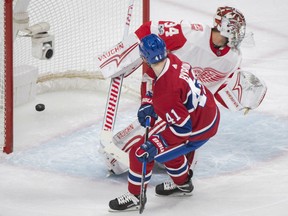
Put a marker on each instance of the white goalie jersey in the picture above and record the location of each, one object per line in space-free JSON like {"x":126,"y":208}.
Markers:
{"x":211,"y":66}
{"x":214,"y":67}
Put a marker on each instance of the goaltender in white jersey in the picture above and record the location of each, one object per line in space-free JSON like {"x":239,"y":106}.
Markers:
{"x":215,"y":57}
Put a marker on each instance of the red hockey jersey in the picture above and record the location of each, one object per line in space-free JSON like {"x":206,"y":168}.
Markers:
{"x":184,"y":103}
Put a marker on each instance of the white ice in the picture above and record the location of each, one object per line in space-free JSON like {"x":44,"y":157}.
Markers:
{"x":56,"y":170}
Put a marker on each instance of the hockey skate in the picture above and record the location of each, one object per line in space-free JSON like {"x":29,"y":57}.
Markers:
{"x":170,"y":188}
{"x":126,"y":202}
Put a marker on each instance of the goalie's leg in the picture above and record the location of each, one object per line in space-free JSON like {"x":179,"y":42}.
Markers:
{"x":114,"y":166}
{"x":125,"y":139}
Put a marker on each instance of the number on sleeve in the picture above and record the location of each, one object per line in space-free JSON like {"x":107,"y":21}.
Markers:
{"x":198,"y":98}
{"x":172,"y":117}
{"x":170,"y":29}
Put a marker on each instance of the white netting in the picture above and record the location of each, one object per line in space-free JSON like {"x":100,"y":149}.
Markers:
{"x":82,"y":30}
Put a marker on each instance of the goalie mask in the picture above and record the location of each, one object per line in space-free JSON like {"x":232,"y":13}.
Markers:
{"x":231,"y":24}
{"x":153,"y":49}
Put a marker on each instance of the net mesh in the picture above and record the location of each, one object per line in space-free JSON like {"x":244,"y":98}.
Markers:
{"x":82,"y":29}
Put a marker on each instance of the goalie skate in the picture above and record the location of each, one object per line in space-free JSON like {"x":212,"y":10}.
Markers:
{"x":171,"y":189}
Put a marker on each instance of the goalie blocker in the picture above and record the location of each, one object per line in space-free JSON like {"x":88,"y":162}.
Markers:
{"x":121,"y":59}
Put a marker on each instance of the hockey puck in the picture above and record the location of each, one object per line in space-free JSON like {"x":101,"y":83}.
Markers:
{"x":40,"y":107}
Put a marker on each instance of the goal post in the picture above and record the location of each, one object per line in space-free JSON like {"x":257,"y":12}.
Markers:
{"x":56,"y":40}
{"x":6,"y":79}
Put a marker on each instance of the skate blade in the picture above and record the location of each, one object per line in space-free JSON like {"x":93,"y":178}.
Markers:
{"x":178,"y":194}
{"x":134,"y":208}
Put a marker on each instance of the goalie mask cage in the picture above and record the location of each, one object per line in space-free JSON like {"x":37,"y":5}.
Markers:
{"x":82,"y":30}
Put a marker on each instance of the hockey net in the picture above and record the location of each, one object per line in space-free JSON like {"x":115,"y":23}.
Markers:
{"x":81,"y":29}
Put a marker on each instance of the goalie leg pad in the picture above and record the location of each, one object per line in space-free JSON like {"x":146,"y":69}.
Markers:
{"x":117,"y":159}
{"x":116,"y":152}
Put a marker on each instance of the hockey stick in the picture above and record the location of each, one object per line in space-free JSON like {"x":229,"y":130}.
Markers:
{"x":144,"y":166}
{"x":114,"y":97}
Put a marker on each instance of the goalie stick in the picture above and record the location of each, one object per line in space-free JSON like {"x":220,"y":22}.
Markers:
{"x":113,"y":98}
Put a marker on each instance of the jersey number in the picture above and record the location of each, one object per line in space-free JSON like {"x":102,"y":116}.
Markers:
{"x":172,"y":117}
{"x":170,"y":29}
{"x":198,"y":98}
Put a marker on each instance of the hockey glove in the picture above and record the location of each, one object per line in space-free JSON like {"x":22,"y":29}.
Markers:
{"x":148,"y":150}
{"x":147,"y":110}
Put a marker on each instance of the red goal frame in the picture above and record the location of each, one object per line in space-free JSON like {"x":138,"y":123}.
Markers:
{"x":8,"y":71}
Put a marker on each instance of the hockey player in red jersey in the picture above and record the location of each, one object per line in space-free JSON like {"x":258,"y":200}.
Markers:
{"x":215,"y":56}
{"x":191,"y":116}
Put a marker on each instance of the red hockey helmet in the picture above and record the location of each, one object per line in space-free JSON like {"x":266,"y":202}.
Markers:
{"x":231,"y":24}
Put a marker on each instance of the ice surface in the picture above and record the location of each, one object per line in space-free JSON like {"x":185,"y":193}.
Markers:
{"x":56,"y":169}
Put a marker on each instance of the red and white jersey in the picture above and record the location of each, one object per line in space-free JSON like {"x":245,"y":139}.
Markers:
{"x":186,"y":105}
{"x":192,"y":43}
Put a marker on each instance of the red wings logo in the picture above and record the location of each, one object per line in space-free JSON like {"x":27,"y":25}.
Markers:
{"x":208,"y":75}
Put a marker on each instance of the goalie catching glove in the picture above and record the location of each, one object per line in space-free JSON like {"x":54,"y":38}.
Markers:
{"x":152,"y":147}
{"x":242,"y":91}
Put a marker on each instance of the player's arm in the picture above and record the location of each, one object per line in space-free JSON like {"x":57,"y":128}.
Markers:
{"x":171,"y":32}
{"x":177,"y":117}
{"x":177,"y":131}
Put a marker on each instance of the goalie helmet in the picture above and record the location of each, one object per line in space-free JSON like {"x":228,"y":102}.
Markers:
{"x":231,"y":24}
{"x":152,"y":49}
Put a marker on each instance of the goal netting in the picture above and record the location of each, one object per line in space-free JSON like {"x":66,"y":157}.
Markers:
{"x":79,"y":29}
